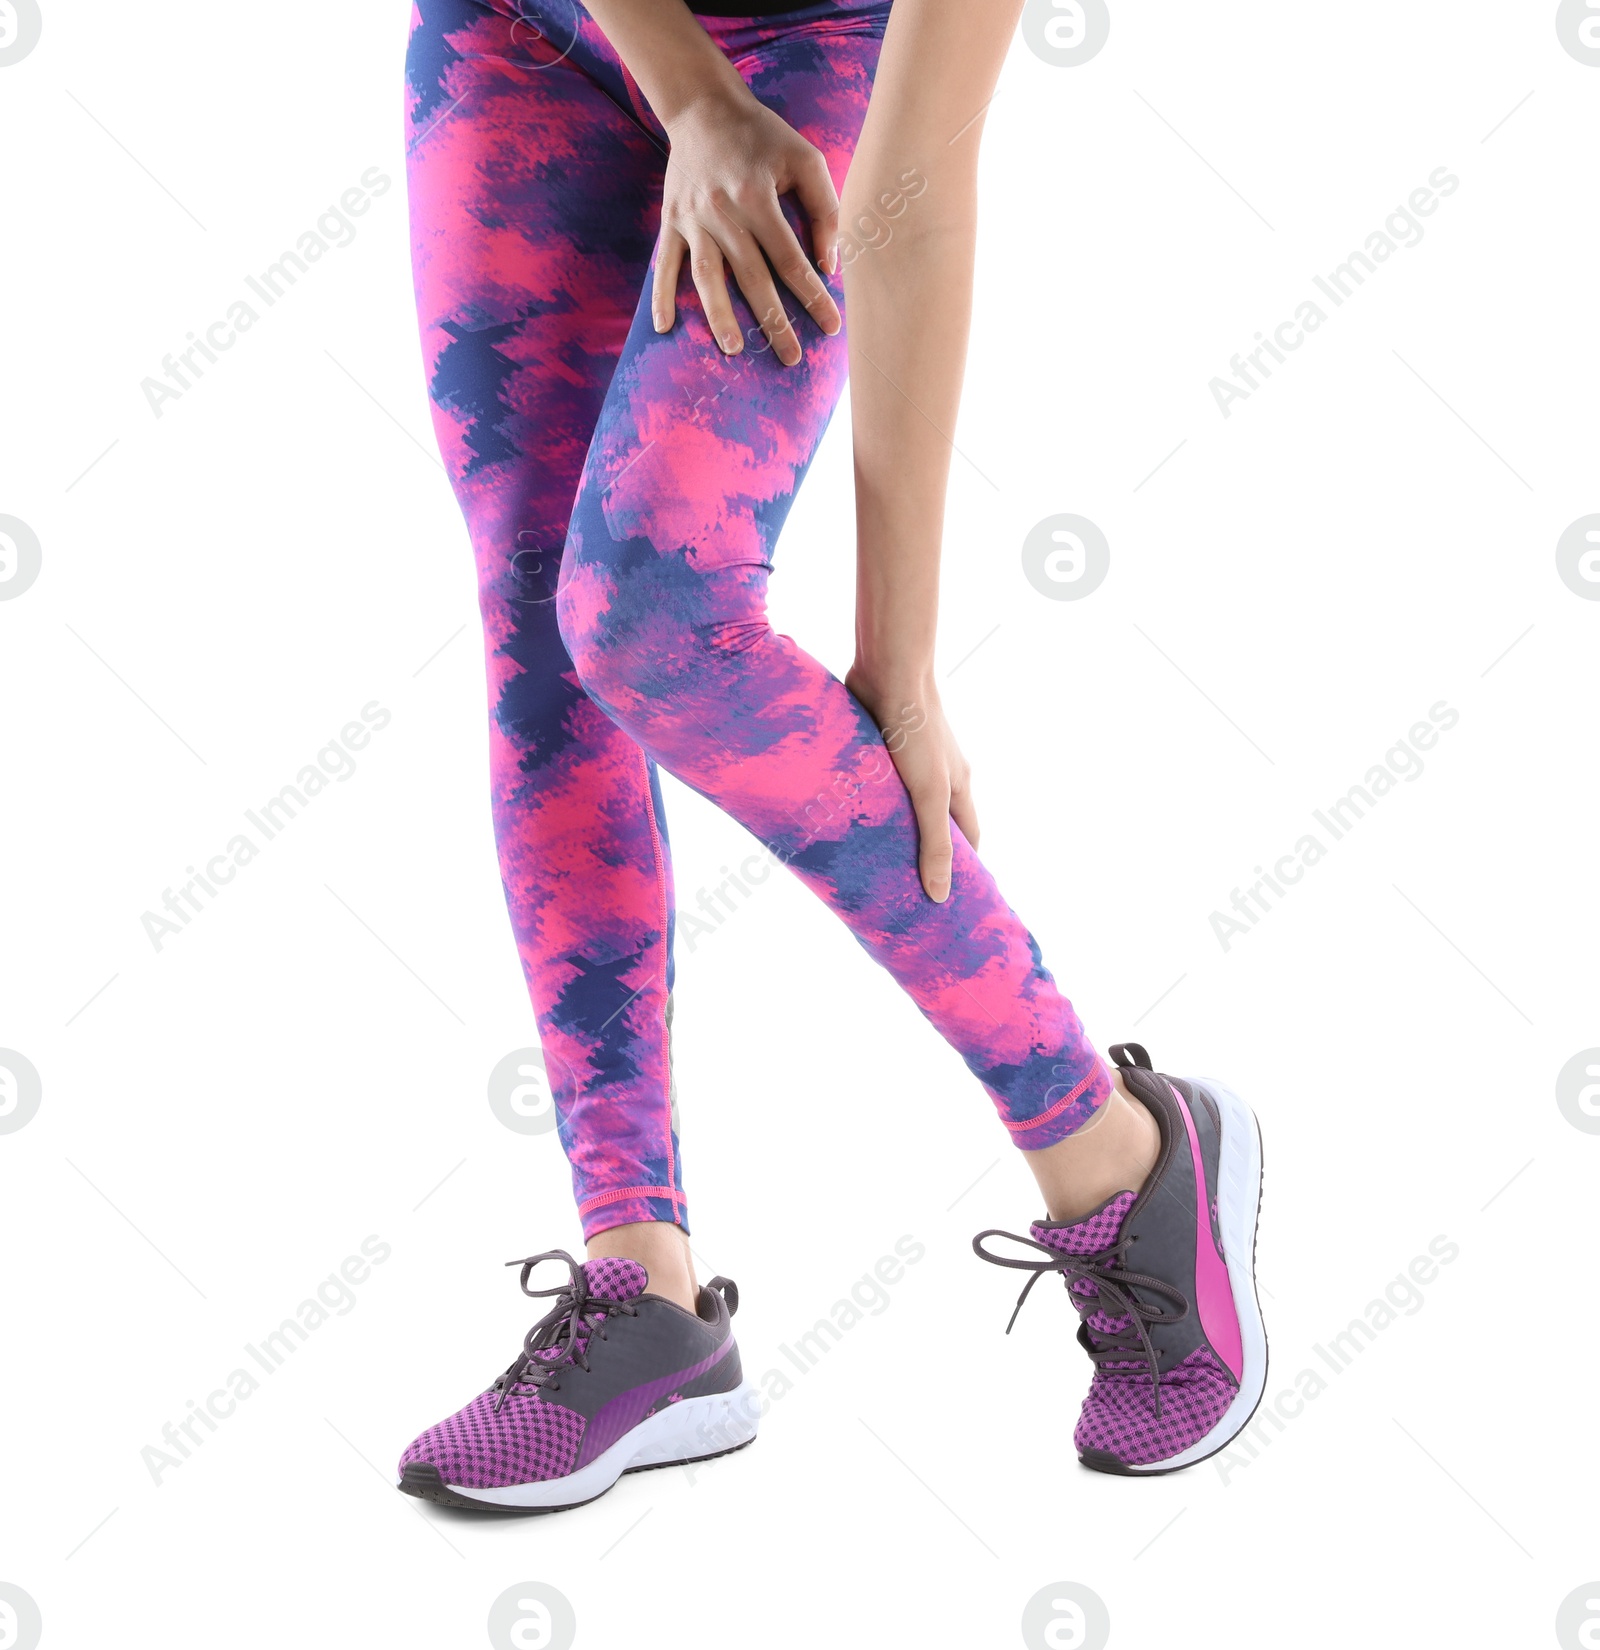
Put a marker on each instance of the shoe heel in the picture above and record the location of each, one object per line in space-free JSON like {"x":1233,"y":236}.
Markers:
{"x":694,"y":1429}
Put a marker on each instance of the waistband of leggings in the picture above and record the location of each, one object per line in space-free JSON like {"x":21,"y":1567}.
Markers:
{"x":567,"y":28}
{"x":736,"y":35}
{"x":817,"y":11}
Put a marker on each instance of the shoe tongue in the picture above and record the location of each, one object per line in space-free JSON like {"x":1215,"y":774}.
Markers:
{"x":614,"y":1279}
{"x":1087,"y":1236}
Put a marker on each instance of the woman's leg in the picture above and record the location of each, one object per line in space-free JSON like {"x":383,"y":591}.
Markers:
{"x":694,"y":464}
{"x":534,"y":202}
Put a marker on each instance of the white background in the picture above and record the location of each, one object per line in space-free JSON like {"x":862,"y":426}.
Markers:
{"x":304,"y":1065}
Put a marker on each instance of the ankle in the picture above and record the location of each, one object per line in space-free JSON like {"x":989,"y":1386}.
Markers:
{"x":662,"y":1249}
{"x":1116,"y":1152}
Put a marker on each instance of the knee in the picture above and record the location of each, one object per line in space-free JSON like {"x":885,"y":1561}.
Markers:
{"x":609,"y":656}
{"x":648,"y":633}
{"x":572,"y":625}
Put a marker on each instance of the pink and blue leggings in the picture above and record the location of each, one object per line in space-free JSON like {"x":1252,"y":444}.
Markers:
{"x":625,"y":492}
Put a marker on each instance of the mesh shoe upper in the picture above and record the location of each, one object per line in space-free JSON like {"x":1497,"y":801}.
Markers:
{"x":526,"y":1441}
{"x":1119,"y":1417}
{"x":1147,"y":1275}
{"x":516,"y":1432}
{"x":1119,"y":1414}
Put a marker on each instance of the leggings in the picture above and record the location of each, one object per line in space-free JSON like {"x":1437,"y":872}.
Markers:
{"x":624,"y":491}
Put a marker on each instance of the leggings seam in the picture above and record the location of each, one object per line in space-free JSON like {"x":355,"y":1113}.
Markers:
{"x":1060,"y":1106}
{"x":630,"y":1191}
{"x":661,"y":906}
{"x":828,"y":31}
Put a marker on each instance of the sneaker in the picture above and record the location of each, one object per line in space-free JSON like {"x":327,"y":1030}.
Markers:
{"x":1174,"y":1328}
{"x":610,"y":1380}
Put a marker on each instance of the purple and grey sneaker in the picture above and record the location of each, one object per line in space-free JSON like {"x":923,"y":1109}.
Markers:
{"x":1173,"y":1327}
{"x":610,"y":1380}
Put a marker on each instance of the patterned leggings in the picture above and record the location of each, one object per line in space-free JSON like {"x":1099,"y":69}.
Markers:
{"x":624,"y":492}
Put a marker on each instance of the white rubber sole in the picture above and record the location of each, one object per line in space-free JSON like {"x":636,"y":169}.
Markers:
{"x":1238,"y":1206}
{"x":690,"y":1430}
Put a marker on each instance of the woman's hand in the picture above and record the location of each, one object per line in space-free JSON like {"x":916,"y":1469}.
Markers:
{"x":931,"y":766}
{"x":731,"y":159}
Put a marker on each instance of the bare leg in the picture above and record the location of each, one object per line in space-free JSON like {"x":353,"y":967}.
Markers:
{"x":1114,"y":1152}
{"x":662,"y":1249}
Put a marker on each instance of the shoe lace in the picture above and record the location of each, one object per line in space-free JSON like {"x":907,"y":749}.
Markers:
{"x":1117,"y":1291}
{"x":576,"y":1317}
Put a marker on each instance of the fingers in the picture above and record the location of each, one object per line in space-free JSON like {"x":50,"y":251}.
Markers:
{"x":755,"y":282}
{"x":794,"y":269}
{"x":963,"y":811}
{"x":814,"y":185}
{"x":934,"y":853}
{"x":711,"y":282}
{"x":741,"y":228}
{"x":664,"y":290}
{"x":710,"y":257}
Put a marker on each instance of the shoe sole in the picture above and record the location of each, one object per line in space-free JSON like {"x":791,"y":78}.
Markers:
{"x":1238,"y":1213}
{"x":693,"y":1429}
